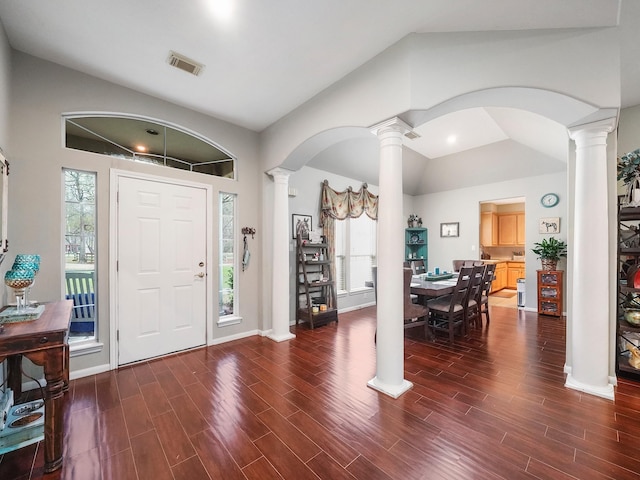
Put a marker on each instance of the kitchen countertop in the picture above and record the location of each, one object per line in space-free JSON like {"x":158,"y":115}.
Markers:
{"x":502,"y":260}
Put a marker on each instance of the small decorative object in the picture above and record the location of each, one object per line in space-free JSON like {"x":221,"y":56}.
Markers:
{"x":19,"y":280}
{"x":629,"y":172}
{"x":450,"y":229}
{"x":549,"y":225}
{"x":413,"y":221}
{"x":634,"y":359}
{"x":550,"y":251}
{"x":631,"y":306}
{"x":301,"y":225}
{"x":549,"y":200}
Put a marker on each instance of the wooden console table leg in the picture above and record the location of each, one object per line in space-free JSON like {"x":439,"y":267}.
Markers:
{"x":54,"y":371}
{"x":14,"y":380}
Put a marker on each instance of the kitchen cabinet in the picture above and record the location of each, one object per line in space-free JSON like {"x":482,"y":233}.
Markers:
{"x":520,"y":229}
{"x":500,"y":279}
{"x":515,"y":270}
{"x":511,"y":229}
{"x":488,"y":229}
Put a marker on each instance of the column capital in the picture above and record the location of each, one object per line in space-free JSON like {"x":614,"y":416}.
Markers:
{"x":393,"y":124}
{"x":601,"y":127}
{"x":279,"y":173}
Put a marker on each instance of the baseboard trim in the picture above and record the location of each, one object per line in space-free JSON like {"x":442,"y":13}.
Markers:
{"x":86,"y":372}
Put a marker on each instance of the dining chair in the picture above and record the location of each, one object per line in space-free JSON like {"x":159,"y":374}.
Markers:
{"x":447,"y":313}
{"x":483,"y":298}
{"x":472,"y":314}
{"x":415,"y":314}
{"x":419,"y":267}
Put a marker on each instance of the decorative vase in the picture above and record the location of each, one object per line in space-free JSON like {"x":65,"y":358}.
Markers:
{"x":548,"y":264}
{"x":19,"y":280}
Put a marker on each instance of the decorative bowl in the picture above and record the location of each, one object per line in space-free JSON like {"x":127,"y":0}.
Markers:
{"x":632,"y":316}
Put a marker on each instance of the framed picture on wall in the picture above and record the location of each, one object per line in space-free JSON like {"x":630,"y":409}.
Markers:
{"x":549,"y":225}
{"x":301,"y":225}
{"x":450,"y":229}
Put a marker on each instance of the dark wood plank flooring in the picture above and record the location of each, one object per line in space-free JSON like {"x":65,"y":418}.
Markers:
{"x":491,"y":407}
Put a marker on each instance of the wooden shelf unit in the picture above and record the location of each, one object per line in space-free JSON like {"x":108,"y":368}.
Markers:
{"x":550,"y":292}
{"x":315,"y":287}
{"x":628,"y":255}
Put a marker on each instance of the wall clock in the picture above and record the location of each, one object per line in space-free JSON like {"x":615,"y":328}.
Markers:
{"x":549,"y":200}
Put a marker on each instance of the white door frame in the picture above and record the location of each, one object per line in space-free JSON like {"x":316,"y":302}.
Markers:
{"x":114,"y":177}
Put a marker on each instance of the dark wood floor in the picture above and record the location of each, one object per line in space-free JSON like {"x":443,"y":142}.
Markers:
{"x":494,"y":406}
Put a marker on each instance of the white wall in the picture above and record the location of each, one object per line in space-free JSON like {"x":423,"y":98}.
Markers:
{"x":463,"y":206}
{"x":41,"y":93}
{"x":5,"y":87}
{"x":424,"y":70}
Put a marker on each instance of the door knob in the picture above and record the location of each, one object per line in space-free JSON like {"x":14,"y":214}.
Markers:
{"x":201,"y":274}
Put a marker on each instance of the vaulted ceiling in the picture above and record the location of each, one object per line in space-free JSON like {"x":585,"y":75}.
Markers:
{"x":263,"y":59}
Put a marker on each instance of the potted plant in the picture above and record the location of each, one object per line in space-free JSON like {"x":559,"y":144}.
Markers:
{"x":550,"y":251}
{"x":629,"y":172}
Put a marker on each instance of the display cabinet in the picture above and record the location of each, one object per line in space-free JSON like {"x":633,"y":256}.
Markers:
{"x":316,"y":301}
{"x":416,"y":245}
{"x":550,"y":292}
{"x":628,"y":280}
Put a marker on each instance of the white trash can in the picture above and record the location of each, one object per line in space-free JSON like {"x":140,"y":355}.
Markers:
{"x":520,"y":283}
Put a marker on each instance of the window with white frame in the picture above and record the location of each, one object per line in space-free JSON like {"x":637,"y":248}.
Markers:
{"x":355,"y":253}
{"x":80,"y":252}
{"x":227,"y":270}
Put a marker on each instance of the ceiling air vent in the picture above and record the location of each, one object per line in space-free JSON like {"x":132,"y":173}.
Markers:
{"x":411,"y":135}
{"x":184,"y":63}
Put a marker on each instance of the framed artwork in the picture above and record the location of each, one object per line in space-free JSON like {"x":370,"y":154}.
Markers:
{"x":549,"y":225}
{"x":450,"y":229}
{"x":300,"y":225}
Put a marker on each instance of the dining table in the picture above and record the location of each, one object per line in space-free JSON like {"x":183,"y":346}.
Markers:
{"x":427,"y":288}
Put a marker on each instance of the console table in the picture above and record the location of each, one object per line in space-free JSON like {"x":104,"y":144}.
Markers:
{"x":45,"y":342}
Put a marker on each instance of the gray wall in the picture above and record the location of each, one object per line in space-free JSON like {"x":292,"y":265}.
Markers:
{"x":41,"y":93}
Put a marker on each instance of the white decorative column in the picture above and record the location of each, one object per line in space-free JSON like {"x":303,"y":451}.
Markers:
{"x":280,"y":258}
{"x":389,"y":377}
{"x":590,"y":322}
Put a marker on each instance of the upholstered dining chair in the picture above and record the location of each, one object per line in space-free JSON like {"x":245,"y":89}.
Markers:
{"x":415,"y":314}
{"x":472,"y":315}
{"x":447,"y":313}
{"x":485,"y":290}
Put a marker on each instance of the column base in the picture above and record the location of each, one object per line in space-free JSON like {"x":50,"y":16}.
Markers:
{"x":393,"y":391}
{"x":280,"y":338}
{"x":604,"y":392}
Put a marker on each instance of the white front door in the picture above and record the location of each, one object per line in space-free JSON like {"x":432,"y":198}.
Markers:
{"x":161,"y":268}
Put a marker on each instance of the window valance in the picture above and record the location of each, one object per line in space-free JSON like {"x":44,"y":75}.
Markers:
{"x":340,"y":205}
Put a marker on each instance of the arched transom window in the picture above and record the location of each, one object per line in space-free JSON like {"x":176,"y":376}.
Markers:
{"x":148,"y":141}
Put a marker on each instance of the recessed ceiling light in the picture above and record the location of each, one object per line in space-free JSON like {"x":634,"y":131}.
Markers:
{"x":151,"y":131}
{"x":141,"y":148}
{"x":222,"y":9}
{"x":451,"y":139}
